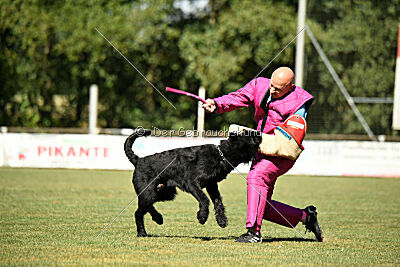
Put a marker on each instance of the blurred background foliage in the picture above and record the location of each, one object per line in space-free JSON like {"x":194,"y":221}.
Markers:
{"x":50,"y":54}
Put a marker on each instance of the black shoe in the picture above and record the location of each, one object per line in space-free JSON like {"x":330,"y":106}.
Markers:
{"x":312,"y":222}
{"x":250,"y":237}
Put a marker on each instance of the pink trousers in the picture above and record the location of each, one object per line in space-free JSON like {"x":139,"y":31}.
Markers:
{"x":261,"y":179}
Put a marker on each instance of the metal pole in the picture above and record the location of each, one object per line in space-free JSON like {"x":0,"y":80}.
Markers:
{"x":301,"y":21}
{"x":4,"y":157}
{"x":200,"y":112}
{"x":93,"y":99}
{"x":343,"y":89}
{"x":396,"y":102}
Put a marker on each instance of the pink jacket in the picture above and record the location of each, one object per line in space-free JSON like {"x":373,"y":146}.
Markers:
{"x":273,"y":113}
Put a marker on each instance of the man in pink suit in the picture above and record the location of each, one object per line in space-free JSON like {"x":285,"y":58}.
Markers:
{"x":275,"y":100}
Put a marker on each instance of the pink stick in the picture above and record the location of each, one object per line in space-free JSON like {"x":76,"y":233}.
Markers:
{"x":169,"y":89}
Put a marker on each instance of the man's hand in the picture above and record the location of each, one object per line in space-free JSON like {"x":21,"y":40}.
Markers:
{"x":209,"y":106}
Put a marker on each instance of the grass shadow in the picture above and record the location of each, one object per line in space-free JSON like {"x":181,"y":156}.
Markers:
{"x":288,"y":239}
{"x":265,"y":240}
{"x":204,"y":238}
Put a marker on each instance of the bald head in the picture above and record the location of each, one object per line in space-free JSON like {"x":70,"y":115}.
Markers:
{"x":281,"y":81}
{"x":282,"y":75}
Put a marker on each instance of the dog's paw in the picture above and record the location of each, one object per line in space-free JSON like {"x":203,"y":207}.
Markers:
{"x":222,"y":221}
{"x":158,"y":219}
{"x":202,"y":216}
{"x":142,"y":234}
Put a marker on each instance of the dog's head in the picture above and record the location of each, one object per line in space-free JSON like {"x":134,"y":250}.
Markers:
{"x":244,"y":145}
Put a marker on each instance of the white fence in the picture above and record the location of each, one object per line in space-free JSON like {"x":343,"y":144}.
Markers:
{"x":350,"y":158}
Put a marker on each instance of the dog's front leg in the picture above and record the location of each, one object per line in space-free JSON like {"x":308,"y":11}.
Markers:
{"x":219,"y":208}
{"x":204,"y":202}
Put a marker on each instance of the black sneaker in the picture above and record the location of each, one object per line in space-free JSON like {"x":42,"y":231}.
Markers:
{"x":312,"y":222}
{"x":250,"y":237}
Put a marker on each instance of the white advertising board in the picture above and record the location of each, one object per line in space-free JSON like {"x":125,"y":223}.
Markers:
{"x":349,"y":158}
{"x":64,"y":151}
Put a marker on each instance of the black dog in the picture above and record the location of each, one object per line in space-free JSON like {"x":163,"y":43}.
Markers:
{"x":190,"y":169}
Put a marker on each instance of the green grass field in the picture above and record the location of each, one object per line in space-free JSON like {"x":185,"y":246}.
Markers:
{"x":52,"y":217}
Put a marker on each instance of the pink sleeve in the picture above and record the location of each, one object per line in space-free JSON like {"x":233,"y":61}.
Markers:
{"x":239,"y":99}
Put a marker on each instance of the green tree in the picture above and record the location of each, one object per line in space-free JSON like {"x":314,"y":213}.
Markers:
{"x":360,"y":39}
{"x":231,"y":48}
{"x":51,"y":53}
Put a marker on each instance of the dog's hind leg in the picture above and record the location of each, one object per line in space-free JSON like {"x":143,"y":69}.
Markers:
{"x":163,"y":193}
{"x":212,"y":189}
{"x":146,"y":200}
{"x":139,"y":219}
{"x":204,"y":202}
{"x":155,"y":215}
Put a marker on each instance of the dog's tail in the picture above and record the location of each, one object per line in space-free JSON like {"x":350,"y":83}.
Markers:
{"x":129,"y":142}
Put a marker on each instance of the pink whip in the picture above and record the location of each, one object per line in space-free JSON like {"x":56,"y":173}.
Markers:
{"x":169,"y":89}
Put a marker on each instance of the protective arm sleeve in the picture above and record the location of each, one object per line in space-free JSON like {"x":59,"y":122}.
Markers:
{"x":282,"y":143}
{"x":276,"y":145}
